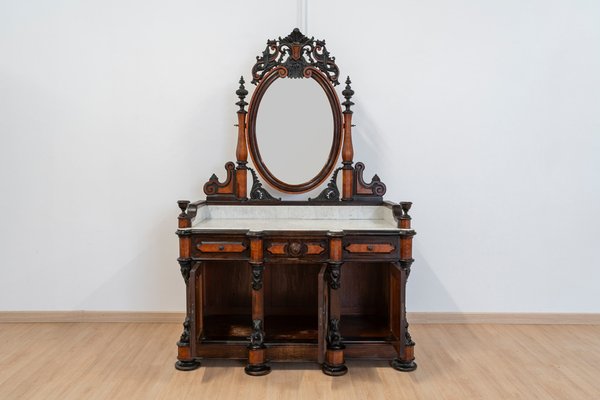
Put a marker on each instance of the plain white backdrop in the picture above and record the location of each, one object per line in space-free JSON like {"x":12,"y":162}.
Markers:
{"x":485,"y":114}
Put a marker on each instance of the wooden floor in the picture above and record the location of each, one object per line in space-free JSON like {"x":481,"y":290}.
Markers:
{"x":135,"y":361}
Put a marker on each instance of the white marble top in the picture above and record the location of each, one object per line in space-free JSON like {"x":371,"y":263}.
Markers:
{"x":264,"y":218}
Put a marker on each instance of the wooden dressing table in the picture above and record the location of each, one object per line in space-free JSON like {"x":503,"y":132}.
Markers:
{"x":319,"y":280}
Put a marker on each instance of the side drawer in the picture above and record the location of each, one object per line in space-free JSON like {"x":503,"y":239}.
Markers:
{"x":215,"y":247}
{"x":371,"y":247}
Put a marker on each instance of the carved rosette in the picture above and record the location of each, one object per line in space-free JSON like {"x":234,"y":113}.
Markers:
{"x":257,"y":276}
{"x":257,"y":337}
{"x":295,"y":53}
{"x":334,"y":274}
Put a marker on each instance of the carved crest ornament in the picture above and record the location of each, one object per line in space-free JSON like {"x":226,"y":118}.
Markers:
{"x":295,"y":56}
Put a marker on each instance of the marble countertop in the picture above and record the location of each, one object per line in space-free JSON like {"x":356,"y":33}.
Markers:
{"x":264,"y":218}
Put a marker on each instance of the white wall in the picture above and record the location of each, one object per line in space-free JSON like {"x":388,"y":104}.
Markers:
{"x":484,"y":114}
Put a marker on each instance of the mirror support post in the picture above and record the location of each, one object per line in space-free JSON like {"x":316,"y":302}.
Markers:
{"x":347,"y":149}
{"x":241,"y":152}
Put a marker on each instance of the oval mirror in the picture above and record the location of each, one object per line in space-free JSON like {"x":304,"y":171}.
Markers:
{"x":294,"y":131}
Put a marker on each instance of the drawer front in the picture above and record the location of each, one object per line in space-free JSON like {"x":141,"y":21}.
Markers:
{"x":223,"y":248}
{"x":309,"y":250}
{"x":371,"y":248}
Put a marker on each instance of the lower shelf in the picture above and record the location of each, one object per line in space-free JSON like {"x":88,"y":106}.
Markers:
{"x":291,"y":329}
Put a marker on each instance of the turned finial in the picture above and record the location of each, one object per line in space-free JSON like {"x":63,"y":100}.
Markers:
{"x":347,"y":93}
{"x":183,"y":205}
{"x":241,"y":93}
{"x":405,"y":207}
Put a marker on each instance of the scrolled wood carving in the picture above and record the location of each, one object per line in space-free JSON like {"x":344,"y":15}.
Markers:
{"x":215,"y":189}
{"x":295,"y":52}
{"x":367,"y":191}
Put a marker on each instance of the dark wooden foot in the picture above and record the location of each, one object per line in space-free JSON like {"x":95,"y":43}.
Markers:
{"x":257,"y":369}
{"x":334,"y":370}
{"x":187,"y":365}
{"x":404,"y":366}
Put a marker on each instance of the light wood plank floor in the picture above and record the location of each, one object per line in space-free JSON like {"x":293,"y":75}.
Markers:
{"x":135,"y":361}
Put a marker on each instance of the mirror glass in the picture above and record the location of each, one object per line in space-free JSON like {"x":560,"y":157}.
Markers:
{"x":294,"y":129}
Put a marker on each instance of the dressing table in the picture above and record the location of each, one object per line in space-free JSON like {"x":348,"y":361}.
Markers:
{"x":321,"y":279}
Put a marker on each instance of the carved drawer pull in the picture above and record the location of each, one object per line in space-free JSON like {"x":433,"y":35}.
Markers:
{"x":223,"y":247}
{"x":370,"y":248}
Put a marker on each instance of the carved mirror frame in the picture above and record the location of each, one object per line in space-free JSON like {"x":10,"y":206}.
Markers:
{"x":280,"y":72}
{"x":295,"y":56}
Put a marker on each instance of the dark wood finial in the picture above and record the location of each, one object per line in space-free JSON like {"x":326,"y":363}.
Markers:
{"x":405,"y":208}
{"x":183,"y":205}
{"x":348,"y":93}
{"x":241,"y":93}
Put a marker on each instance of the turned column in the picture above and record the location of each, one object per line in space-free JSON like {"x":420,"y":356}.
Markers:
{"x":406,"y":358}
{"x":347,"y":149}
{"x":241,"y":152}
{"x":334,"y":364}
{"x":256,"y":348}
{"x":185,"y":359}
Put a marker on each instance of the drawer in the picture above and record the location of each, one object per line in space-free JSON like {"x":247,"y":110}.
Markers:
{"x":225,"y":248}
{"x":371,"y":247}
{"x":309,"y":250}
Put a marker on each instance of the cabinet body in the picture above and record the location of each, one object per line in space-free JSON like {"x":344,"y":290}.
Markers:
{"x":306,"y":293}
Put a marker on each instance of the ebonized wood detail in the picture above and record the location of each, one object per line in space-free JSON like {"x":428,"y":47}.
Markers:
{"x":334,"y":275}
{"x":295,"y":53}
{"x":348,"y":93}
{"x":257,"y":276}
{"x":258,"y":192}
{"x":257,"y":337}
{"x":334,"y":338}
{"x":185,"y":264}
{"x":241,"y":93}
{"x":184,"y":340}
{"x":331,"y":192}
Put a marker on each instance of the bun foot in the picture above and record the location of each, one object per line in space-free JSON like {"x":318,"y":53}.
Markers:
{"x":187,"y":365}
{"x":334,"y":370}
{"x":404,"y":366}
{"x":257,"y":369}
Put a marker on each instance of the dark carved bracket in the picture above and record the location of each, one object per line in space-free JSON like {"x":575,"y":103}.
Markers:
{"x":295,"y":53}
{"x":184,"y":340}
{"x":257,"y":337}
{"x":331,"y":192}
{"x":185,"y":264}
{"x":257,"y":276}
{"x":334,"y":274}
{"x":334,"y":338}
{"x":216,"y":190}
{"x":373,"y":191}
{"x":258,"y":192}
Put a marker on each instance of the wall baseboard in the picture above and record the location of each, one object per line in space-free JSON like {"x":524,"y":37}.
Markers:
{"x":414,"y":317}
